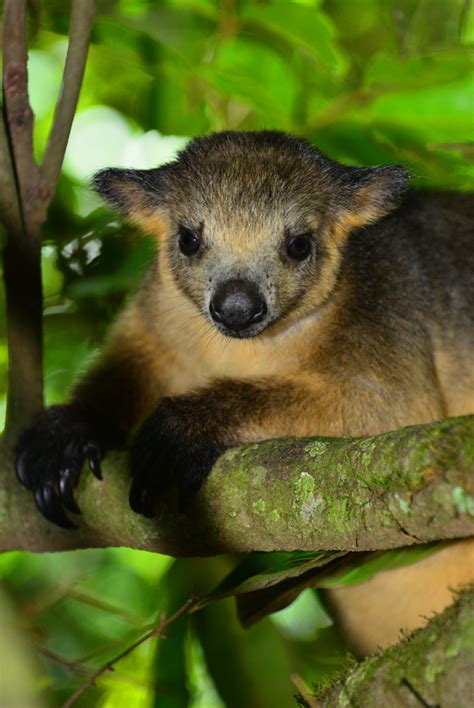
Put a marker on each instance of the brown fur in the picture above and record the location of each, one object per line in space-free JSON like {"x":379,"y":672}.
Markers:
{"x":375,"y":614}
{"x":312,"y":372}
{"x":295,"y":388}
{"x":372,"y":332}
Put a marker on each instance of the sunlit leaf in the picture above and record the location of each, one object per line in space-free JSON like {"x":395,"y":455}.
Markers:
{"x":267,"y":582}
{"x":262,"y":570}
{"x":304,"y":27}
{"x":360,"y":572}
{"x":385,"y":73}
{"x":179,"y":29}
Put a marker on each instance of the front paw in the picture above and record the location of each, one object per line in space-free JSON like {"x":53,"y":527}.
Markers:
{"x":49,"y":459}
{"x":171,"y":449}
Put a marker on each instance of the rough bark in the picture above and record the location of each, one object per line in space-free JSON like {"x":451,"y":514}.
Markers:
{"x":20,"y":216}
{"x":82,"y":20}
{"x":409,"y":486}
{"x":432,"y":667}
{"x":26,"y":190}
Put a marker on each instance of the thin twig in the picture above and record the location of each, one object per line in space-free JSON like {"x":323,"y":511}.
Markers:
{"x":74,"y":667}
{"x":108,"y":666}
{"x":82,"y":19}
{"x":103,"y":606}
{"x":59,"y":594}
{"x":304,"y":690}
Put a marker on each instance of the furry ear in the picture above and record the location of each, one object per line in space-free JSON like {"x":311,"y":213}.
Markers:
{"x":369,"y":193}
{"x":135,"y":194}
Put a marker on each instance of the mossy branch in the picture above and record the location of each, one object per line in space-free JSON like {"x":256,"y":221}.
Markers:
{"x":432,"y":667}
{"x":409,"y":486}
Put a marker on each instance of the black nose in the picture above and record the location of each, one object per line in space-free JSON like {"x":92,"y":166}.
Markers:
{"x":237,"y":304}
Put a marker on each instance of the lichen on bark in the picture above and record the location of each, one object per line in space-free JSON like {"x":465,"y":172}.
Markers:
{"x":413,"y":485}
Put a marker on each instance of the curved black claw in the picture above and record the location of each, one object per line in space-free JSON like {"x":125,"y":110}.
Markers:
{"x":66,"y":486}
{"x":50,"y":506}
{"x":20,"y":467}
{"x":49,"y":460}
{"x":94,"y":455}
{"x":169,"y":452}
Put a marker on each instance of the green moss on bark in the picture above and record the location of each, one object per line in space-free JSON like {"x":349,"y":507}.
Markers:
{"x":432,"y":667}
{"x":409,"y":486}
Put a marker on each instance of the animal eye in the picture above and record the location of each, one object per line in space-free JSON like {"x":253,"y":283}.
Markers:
{"x":189,"y":241}
{"x":299,"y":247}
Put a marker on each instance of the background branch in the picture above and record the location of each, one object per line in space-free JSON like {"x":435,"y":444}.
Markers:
{"x":413,"y":485}
{"x":22,"y":253}
{"x":82,"y":19}
{"x":9,"y":203}
{"x":19,"y":116}
{"x":26,"y":197}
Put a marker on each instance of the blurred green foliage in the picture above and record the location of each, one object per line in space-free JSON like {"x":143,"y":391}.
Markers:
{"x":368,"y":82}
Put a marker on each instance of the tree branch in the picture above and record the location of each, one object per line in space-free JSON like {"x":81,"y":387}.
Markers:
{"x":23,"y":293}
{"x":82,"y":19}
{"x":432,"y":667}
{"x":413,"y":485}
{"x":19,"y":116}
{"x":10,"y":214}
{"x":25,"y":197}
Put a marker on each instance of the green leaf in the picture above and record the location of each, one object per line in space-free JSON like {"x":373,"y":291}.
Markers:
{"x":434,"y":24}
{"x":248,"y":668}
{"x":263,"y":570}
{"x":170,"y":671}
{"x":443,"y":112}
{"x":267,"y":582}
{"x":304,"y":28}
{"x":355,"y":572}
{"x":182,"y":31}
{"x":385,"y":73}
{"x":347,"y":569}
{"x":245,"y":70}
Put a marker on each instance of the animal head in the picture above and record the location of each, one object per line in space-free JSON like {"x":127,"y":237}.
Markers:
{"x":252,"y":225}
